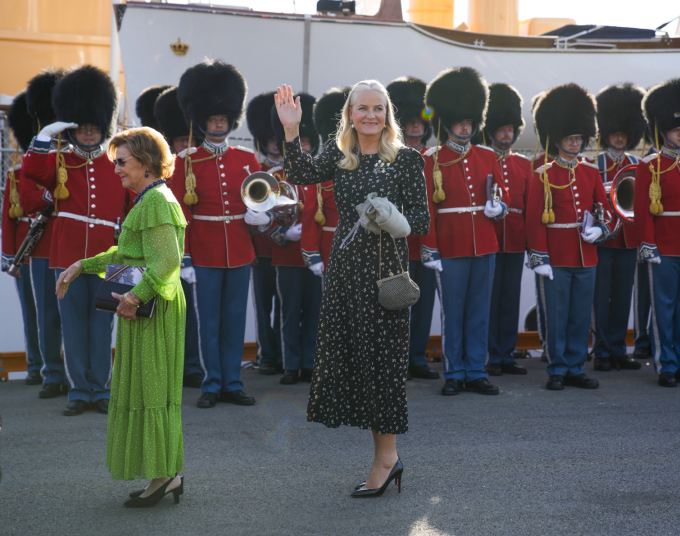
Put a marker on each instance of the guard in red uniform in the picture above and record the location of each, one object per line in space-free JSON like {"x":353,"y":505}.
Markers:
{"x":15,"y":224}
{"x":164,"y":114}
{"x":299,"y":288}
{"x":464,"y":185}
{"x":207,"y":181}
{"x":504,"y":124}
{"x":34,"y":199}
{"x":564,"y":226}
{"x":263,"y":274}
{"x":657,"y":220}
{"x":408,"y":96}
{"x":621,"y":127}
{"x":91,"y":203}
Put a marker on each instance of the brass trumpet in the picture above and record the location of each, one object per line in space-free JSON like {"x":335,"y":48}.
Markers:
{"x":621,"y":195}
{"x":261,"y":192}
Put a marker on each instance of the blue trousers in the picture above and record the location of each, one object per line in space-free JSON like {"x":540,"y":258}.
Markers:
{"x":221,"y":305}
{"x":642,"y":306}
{"x":192,"y":358}
{"x":664,"y":285}
{"x":87,"y":340}
{"x":504,"y":312}
{"x":540,"y":313}
{"x":465,"y":292}
{"x":421,"y":312}
{"x":263,"y":281}
{"x":34,"y":360}
{"x":49,"y":321}
{"x":299,"y":292}
{"x":611,"y":306}
{"x":567,"y":301}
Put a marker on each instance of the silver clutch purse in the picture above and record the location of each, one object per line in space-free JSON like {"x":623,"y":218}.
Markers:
{"x":396,"y":291}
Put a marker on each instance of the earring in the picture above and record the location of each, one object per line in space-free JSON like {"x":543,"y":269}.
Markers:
{"x":351,"y":124}
{"x":146,"y":173}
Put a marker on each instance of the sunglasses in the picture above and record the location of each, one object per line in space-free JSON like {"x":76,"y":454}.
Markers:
{"x":120,"y":162}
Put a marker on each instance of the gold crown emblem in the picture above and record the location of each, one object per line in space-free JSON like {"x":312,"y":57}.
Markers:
{"x":179,"y":48}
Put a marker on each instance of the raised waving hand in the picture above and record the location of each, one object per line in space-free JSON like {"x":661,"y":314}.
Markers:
{"x":289,"y":110}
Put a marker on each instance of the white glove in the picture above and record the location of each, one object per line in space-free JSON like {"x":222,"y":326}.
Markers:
{"x":256,"y":218}
{"x":654,"y":260}
{"x":389,"y":218}
{"x":188,"y":274}
{"x":591,"y":234}
{"x":491,"y":209}
{"x":317,"y":269}
{"x":544,"y":270}
{"x":294,"y":233}
{"x":51,"y":131}
{"x":434,"y":265}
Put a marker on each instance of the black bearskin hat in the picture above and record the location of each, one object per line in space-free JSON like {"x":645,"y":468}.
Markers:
{"x":87,"y":95}
{"x":661,"y":106}
{"x":307,"y":129}
{"x":169,"y":116}
{"x":458,"y":94}
{"x":565,"y":111}
{"x":619,"y":109}
{"x":20,"y":121}
{"x":407,"y":94}
{"x":145,"y":106}
{"x":259,"y":119}
{"x":328,"y":111}
{"x":39,"y":97}
{"x":505,"y":108}
{"x":209,"y":88}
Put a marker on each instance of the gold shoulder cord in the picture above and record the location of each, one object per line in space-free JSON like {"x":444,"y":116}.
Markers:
{"x":548,"y":214}
{"x":15,"y":210}
{"x":61,"y":191}
{"x":438,"y":196}
{"x":655,"y":207}
{"x":319,"y":217}
{"x":597,"y":154}
{"x":190,"y":197}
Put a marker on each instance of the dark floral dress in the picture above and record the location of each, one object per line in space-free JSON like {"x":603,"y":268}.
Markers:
{"x":362,"y":348}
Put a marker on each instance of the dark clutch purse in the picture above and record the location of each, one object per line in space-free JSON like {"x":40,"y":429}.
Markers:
{"x":121,"y":279}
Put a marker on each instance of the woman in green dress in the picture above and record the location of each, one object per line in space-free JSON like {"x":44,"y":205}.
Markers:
{"x":144,"y":436}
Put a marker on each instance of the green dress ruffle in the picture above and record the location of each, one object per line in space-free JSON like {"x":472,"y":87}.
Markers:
{"x":144,"y":436}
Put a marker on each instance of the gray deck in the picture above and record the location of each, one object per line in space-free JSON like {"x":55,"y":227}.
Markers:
{"x":526,"y":462}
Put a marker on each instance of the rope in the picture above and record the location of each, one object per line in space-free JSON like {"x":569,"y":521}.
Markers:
{"x":15,"y":210}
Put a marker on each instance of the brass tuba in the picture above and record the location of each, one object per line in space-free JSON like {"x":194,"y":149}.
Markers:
{"x":621,"y":195}
{"x":261,"y":192}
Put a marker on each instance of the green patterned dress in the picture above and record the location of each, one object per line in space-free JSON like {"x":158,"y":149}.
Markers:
{"x":144,"y":436}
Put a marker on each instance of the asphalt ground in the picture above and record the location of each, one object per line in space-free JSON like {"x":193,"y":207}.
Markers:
{"x":529,"y":461}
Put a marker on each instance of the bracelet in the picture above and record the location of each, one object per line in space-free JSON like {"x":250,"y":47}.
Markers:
{"x":130,"y":301}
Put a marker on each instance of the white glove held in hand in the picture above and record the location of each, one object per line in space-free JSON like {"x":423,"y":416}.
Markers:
{"x":51,"y":131}
{"x":256,"y":218}
{"x":491,"y":209}
{"x":188,"y":274}
{"x":389,"y":218}
{"x":294,"y":233}
{"x":317,"y":269}
{"x":544,"y":270}
{"x":434,"y":265}
{"x":654,"y":260}
{"x":591,"y":234}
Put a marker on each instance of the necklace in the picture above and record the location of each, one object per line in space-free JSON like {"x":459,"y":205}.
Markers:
{"x":141,"y":194}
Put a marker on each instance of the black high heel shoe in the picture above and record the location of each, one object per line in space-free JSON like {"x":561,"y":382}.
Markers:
{"x":155,"y":497}
{"x":181,"y":488}
{"x":395,"y":474}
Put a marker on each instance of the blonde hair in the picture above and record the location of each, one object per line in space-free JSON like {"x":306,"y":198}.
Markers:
{"x":149,"y":147}
{"x":391,"y":139}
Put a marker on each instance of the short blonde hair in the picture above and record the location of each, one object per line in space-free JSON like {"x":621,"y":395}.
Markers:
{"x":149,"y":147}
{"x":391,"y":139}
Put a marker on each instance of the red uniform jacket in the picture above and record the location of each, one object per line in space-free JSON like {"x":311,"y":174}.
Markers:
{"x":317,"y":239}
{"x":285,"y":253}
{"x":660,"y":231}
{"x":13,"y":230}
{"x":262,"y":243}
{"x":627,"y":237}
{"x":516,"y":170}
{"x":563,"y":247}
{"x":216,"y":244}
{"x":464,"y":234}
{"x":35,"y":198}
{"x":95,"y":191}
